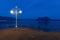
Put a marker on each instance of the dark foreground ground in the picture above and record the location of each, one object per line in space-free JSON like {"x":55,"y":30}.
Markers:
{"x":27,"y":34}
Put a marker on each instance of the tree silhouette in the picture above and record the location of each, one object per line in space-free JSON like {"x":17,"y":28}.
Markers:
{"x":39,"y":22}
{"x":46,"y":21}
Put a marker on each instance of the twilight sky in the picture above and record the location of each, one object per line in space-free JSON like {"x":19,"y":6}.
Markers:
{"x":31,"y":8}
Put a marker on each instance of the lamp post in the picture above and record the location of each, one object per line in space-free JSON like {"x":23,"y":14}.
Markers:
{"x":15,"y":11}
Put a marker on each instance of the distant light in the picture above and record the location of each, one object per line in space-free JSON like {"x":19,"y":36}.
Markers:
{"x":12,"y":12}
{"x":20,"y":11}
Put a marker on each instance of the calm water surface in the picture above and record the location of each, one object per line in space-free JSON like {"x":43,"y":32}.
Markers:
{"x":53,"y":25}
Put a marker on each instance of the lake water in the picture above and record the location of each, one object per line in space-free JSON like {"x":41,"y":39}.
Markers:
{"x":52,"y":26}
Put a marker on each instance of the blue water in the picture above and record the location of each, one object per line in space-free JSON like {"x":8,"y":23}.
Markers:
{"x":52,"y":26}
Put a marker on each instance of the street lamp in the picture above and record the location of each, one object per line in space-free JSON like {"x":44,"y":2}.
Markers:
{"x":15,"y":11}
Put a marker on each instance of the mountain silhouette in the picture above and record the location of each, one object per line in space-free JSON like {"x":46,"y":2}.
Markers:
{"x":6,"y":18}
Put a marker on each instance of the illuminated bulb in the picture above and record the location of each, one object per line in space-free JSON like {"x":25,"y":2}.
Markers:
{"x":20,"y":12}
{"x":12,"y":12}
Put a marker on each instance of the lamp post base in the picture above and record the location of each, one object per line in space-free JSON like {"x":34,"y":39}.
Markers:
{"x":16,"y":26}
{"x":16,"y":29}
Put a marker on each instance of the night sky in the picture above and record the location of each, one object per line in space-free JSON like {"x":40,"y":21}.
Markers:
{"x":31,"y":8}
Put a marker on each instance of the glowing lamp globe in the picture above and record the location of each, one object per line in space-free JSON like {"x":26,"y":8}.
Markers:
{"x":12,"y":12}
{"x":20,"y":11}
